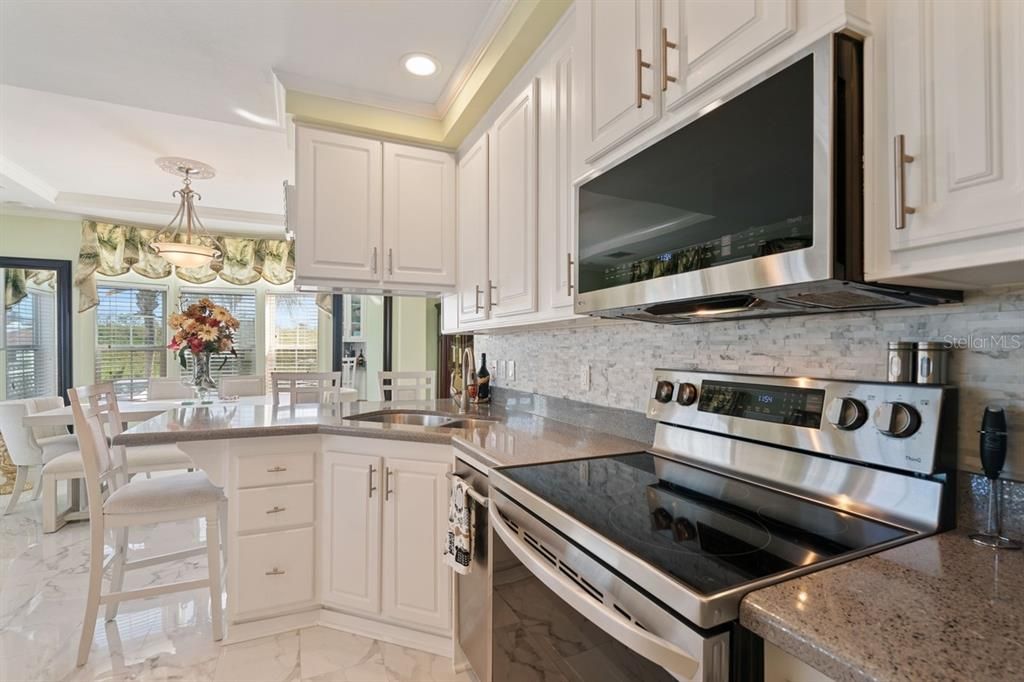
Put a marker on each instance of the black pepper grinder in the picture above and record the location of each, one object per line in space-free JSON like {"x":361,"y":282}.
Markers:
{"x":992,"y":448}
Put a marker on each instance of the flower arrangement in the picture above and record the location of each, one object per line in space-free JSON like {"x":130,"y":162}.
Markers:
{"x":203,"y":327}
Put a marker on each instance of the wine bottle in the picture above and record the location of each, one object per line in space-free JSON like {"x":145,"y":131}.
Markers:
{"x":483,"y":379}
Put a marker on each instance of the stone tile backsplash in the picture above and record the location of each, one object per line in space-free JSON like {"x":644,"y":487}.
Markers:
{"x":987,"y":366}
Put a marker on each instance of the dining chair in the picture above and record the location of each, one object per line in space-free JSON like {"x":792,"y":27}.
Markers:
{"x":161,"y":388}
{"x":31,"y":447}
{"x":118,"y":504}
{"x":231,"y":387}
{"x":306,"y":387}
{"x":407,"y":385}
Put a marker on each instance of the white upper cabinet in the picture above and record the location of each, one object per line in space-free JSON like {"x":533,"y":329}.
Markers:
{"x":338,"y":206}
{"x":371,"y":214}
{"x":701,"y":41}
{"x":512,"y":225}
{"x":473,"y":293}
{"x":419,"y":216}
{"x":556,"y":236}
{"x":618,"y":39}
{"x":955,"y":201}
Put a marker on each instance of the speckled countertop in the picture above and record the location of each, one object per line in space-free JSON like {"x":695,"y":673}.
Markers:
{"x":513,"y":438}
{"x":940,"y":608}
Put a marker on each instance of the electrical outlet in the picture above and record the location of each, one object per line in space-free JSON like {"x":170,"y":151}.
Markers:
{"x":585,"y":378}
{"x":511,"y":374}
{"x":500,"y":372}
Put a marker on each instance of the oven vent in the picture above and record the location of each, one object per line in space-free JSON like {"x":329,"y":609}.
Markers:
{"x":582,"y":582}
{"x":512,"y":524}
{"x":566,"y":569}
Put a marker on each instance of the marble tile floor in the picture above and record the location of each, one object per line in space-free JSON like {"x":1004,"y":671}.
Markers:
{"x":42,"y":598}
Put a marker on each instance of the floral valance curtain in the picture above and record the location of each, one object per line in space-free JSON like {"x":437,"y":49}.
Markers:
{"x":114,"y":250}
{"x":17,"y":280}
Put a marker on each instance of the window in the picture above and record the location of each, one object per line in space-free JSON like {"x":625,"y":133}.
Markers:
{"x":241,"y":304}
{"x":30,"y":346}
{"x":131,"y":337}
{"x":292,"y":332}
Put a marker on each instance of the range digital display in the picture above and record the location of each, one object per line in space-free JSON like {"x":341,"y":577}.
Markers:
{"x":778,"y":404}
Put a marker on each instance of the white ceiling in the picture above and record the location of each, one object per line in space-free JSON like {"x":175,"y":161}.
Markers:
{"x":94,"y":90}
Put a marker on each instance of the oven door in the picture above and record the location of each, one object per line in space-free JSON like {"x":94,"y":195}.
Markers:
{"x":559,"y":613}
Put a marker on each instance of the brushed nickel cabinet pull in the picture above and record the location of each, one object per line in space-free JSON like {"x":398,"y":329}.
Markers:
{"x":372,"y":486}
{"x":665,"y":45}
{"x":899,"y":190}
{"x":388,"y":492}
{"x":391,"y":262}
{"x":276,"y":470}
{"x":276,"y":510}
{"x":373,"y":264}
{"x":568,"y":274}
{"x":492,"y":289}
{"x":275,"y":571}
{"x":640,"y":66}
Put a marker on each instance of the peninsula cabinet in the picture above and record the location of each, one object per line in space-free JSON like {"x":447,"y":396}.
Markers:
{"x":383,"y":520}
{"x":951,"y":156}
{"x":372,"y":215}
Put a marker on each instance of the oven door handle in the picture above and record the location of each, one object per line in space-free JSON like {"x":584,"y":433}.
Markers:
{"x":655,"y":649}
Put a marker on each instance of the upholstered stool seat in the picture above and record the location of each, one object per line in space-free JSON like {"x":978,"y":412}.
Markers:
{"x":164,"y":493}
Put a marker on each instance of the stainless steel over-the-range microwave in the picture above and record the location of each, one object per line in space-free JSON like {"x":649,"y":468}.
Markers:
{"x":754,"y":208}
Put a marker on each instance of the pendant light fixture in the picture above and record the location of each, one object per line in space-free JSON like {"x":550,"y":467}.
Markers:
{"x":185,"y":242}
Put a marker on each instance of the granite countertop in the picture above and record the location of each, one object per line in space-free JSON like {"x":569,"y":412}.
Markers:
{"x":513,"y":438}
{"x":939,"y":608}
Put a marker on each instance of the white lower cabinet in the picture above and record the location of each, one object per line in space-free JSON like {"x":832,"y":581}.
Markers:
{"x":383,"y":520}
{"x":416,"y":585}
{"x":275,"y":569}
{"x":350,"y":544}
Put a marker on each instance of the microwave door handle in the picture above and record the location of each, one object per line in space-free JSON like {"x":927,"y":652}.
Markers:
{"x":650,"y":646}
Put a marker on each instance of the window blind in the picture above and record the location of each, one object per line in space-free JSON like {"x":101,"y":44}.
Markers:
{"x":30,"y":346}
{"x":241,"y":304}
{"x":131,"y":337}
{"x":292,"y":333}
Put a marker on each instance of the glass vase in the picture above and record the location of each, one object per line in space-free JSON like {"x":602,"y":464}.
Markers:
{"x":202,"y":383}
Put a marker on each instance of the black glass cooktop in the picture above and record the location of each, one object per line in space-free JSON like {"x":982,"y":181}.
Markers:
{"x":707,"y":530}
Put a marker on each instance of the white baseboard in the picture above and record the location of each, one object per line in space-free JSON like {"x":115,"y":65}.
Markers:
{"x":440,"y":645}
{"x":242,"y":632}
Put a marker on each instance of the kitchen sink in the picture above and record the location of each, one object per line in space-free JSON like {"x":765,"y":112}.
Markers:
{"x":422,"y":418}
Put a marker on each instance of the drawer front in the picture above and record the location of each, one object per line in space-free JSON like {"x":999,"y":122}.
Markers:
{"x":275,"y":507}
{"x":275,"y":570}
{"x":276,"y":469}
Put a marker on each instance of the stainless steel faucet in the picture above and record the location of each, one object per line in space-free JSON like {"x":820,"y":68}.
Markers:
{"x":467,"y":369}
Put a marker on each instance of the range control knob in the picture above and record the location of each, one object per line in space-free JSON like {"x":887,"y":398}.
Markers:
{"x":846,"y":414}
{"x":898,"y":420}
{"x":687,"y":394}
{"x":663,"y":393}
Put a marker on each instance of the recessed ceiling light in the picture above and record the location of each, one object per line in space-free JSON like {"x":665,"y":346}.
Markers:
{"x":419,"y":64}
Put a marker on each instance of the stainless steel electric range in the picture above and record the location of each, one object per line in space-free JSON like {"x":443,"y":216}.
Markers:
{"x":751,"y":480}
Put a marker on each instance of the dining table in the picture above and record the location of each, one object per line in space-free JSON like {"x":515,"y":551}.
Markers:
{"x":135,"y":411}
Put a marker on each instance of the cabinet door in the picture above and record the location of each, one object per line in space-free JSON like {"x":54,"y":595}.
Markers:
{"x":955,"y":71}
{"x":473,"y":207}
{"x":338,"y":212}
{"x":417,"y":584}
{"x":419,"y":216}
{"x":350,"y":531}
{"x":713,"y":38}
{"x":617,"y":37}
{"x":512,"y":227}
{"x":555,"y":198}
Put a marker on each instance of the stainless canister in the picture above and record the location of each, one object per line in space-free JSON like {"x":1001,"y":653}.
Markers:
{"x":901,"y":362}
{"x":932,"y":362}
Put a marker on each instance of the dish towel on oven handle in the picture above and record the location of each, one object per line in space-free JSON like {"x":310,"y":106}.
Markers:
{"x":458,"y":546}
